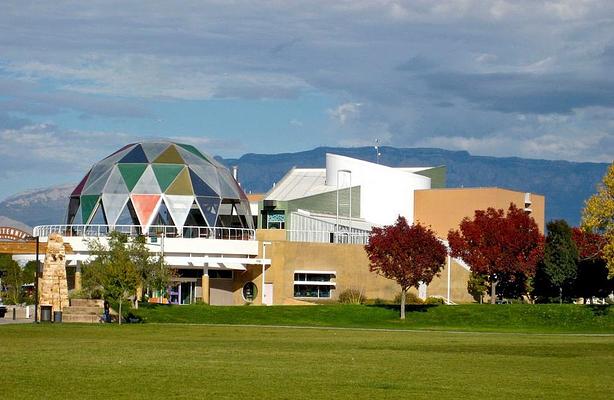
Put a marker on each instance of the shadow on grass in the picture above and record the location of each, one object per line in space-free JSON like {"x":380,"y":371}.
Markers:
{"x":599,"y":310}
{"x":408,"y":307}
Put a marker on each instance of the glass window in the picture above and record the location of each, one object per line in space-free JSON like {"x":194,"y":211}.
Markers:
{"x":313,"y":277}
{"x":312,"y":291}
{"x":249,"y":291}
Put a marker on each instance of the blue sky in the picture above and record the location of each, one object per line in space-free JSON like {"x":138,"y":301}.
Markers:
{"x":494,"y":77}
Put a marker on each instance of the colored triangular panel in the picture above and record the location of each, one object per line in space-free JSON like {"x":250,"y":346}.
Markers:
{"x":115,"y":183}
{"x":200,"y":187}
{"x":97,"y":186}
{"x":182,"y":184}
{"x":136,"y":155}
{"x":153,"y":149}
{"x":163,"y":217}
{"x":169,"y":156}
{"x":208,"y":174}
{"x":131,"y":173}
{"x":145,"y":206}
{"x":88,"y":206}
{"x":147,"y":184}
{"x":166,"y":174}
{"x":73,"y":207}
{"x":80,"y":186}
{"x":113,"y":205}
{"x":209,"y":206}
{"x":179,"y":207}
{"x":192,"y":150}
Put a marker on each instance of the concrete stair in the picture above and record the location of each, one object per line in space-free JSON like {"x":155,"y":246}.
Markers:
{"x":84,"y":311}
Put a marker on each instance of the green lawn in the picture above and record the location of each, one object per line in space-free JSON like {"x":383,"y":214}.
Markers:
{"x":175,"y":361}
{"x":473,"y":317}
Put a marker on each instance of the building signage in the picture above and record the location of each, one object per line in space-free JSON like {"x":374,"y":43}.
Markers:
{"x":10,"y":233}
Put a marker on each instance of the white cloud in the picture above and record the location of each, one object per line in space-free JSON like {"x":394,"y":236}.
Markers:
{"x":345,"y":112}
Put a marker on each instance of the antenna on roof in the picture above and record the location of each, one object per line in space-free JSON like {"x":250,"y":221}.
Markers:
{"x":377,"y":153}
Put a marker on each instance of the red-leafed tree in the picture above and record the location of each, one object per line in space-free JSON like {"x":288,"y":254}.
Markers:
{"x":590,"y":245}
{"x":410,"y":255}
{"x":498,"y":245}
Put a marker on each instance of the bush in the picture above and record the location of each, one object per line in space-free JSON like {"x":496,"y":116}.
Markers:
{"x":434,"y":300}
{"x":351,"y":296}
{"x":410,"y":298}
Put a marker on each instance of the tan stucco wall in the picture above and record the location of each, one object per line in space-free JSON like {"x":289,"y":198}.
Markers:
{"x":351,"y":266}
{"x":443,"y":209}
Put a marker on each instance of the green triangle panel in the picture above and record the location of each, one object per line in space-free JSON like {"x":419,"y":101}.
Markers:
{"x":166,"y":174}
{"x":131,"y":173}
{"x":88,"y":206}
{"x":169,"y":156}
{"x":192,"y":150}
{"x":182,"y":184}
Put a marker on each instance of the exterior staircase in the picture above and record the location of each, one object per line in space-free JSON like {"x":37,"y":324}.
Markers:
{"x":84,"y":311}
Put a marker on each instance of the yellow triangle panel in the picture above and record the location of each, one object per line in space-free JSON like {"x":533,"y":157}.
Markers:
{"x":169,"y":156}
{"x":182,"y":185}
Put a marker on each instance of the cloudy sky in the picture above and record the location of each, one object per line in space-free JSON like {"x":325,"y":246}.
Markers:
{"x":504,"y":78}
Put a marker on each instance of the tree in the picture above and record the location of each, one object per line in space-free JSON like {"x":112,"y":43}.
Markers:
{"x":113,"y":269}
{"x":12,"y":278}
{"x":411,"y":255}
{"x":153,"y":271}
{"x":598,"y":216}
{"x":497,"y":245}
{"x":560,"y":256}
{"x":592,"y":280}
{"x":476,"y":286}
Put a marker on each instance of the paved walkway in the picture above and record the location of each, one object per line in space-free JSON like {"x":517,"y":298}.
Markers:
{"x":8,"y":319}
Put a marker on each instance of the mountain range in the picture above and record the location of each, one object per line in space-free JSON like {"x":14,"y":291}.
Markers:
{"x":565,"y":184}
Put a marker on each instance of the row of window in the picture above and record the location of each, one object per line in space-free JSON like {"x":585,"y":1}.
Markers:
{"x":318,"y":285}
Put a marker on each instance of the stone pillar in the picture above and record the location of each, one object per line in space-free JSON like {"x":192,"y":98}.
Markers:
{"x":52,"y":284}
{"x":205,"y":286}
{"x":78,"y":276}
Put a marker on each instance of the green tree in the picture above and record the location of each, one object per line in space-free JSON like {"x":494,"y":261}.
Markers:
{"x":560,"y":256}
{"x":477,"y":286}
{"x":113,"y":269}
{"x":12,"y":278}
{"x":598,"y":216}
{"x":153,"y":271}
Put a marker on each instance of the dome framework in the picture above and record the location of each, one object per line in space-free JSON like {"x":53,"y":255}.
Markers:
{"x":160,"y":183}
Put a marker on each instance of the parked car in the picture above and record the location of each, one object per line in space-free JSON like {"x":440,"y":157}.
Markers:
{"x":2,"y":309}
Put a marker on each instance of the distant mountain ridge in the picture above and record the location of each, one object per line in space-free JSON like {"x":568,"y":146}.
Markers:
{"x":565,"y":184}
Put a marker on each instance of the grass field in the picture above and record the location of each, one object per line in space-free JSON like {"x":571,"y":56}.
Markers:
{"x":156,"y":361}
{"x":473,"y":317}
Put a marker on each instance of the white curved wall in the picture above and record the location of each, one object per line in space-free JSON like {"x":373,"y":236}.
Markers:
{"x":385,"y":192}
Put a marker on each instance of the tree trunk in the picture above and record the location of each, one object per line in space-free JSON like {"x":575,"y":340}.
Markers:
{"x":402,"y":303}
{"x":119,"y":317}
{"x":493,"y":291}
{"x":560,"y":294}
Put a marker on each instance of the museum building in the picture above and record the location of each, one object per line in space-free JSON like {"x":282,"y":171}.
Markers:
{"x":303,"y":241}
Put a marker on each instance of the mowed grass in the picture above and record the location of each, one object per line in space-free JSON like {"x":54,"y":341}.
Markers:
{"x":542,"y":318}
{"x":147,"y":361}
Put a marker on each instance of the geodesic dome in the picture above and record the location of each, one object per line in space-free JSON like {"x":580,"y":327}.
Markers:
{"x":159,"y":183}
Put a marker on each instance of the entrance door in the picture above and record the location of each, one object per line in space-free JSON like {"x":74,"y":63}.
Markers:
{"x":268,"y":294}
{"x":187,"y":292}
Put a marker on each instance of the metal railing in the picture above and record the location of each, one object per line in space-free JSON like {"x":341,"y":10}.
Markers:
{"x":186,"y":232}
{"x":327,"y":237}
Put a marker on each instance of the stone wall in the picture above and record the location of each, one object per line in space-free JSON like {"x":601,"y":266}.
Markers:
{"x":52,"y":285}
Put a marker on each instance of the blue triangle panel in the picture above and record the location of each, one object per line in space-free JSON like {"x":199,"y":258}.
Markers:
{"x":136,"y":155}
{"x":200,"y":187}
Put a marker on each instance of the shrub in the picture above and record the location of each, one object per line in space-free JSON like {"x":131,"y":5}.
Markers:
{"x":434,"y":300}
{"x":410,"y":298}
{"x":352,"y":296}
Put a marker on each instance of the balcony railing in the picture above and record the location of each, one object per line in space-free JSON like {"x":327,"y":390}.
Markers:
{"x":327,"y":237}
{"x":187,"y":232}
